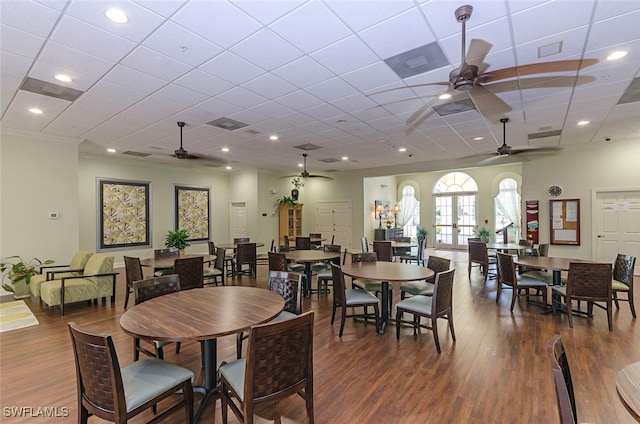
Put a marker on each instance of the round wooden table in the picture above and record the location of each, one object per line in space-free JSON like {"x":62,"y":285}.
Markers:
{"x":628,"y":385}
{"x":308,"y":257}
{"x":546,"y":262}
{"x":505,"y":247}
{"x":234,"y":246}
{"x":202,"y":315}
{"x":387,"y":272}
{"x":165,"y":262}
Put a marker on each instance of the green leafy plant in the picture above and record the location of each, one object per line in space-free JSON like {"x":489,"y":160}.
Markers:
{"x":297,"y":182}
{"x":421,"y":232}
{"x":21,"y":270}
{"x":484,"y":234}
{"x":288,"y":201}
{"x":177,"y":239}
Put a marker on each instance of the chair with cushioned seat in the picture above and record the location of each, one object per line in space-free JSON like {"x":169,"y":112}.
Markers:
{"x":507,"y":278}
{"x":623,"y":280}
{"x":246,"y":255}
{"x":364,"y":244}
{"x":289,"y":286}
{"x":326,"y":275}
{"x":418,"y":258}
{"x":479,"y":255}
{"x":191,"y":272}
{"x":164,"y":253}
{"x":216,"y":273}
{"x":279,"y":363}
{"x":303,"y":243}
{"x":374,"y":286}
{"x":117,"y":394}
{"x":55,"y":272}
{"x":262,"y":258}
{"x":144,"y":290}
{"x":133,"y":272}
{"x":344,"y":298}
{"x":433,"y":307}
{"x":98,"y":280}
{"x":316,"y":244}
{"x":562,"y":380}
{"x":402,"y":251}
{"x":425,"y":288}
{"x":383,"y":250}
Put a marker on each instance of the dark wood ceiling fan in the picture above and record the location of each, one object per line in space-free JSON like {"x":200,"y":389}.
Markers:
{"x":470,"y":80}
{"x":181,"y":153}
{"x":306,"y":174}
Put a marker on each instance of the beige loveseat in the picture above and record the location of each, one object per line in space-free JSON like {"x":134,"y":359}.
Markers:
{"x":97,"y":281}
{"x":57,"y":272}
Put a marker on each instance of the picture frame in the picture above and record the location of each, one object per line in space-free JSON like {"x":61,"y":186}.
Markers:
{"x":124,"y":214}
{"x":192,"y":211}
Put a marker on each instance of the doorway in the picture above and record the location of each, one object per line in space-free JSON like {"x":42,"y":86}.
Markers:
{"x":238,"y":227}
{"x":455,"y":220}
{"x":333,"y":220}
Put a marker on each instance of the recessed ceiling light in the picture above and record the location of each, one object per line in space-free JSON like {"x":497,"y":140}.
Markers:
{"x":35,"y":110}
{"x":63,"y":78}
{"x":273,"y":137}
{"x":345,"y":157}
{"x":617,"y":55}
{"x":117,"y":16}
{"x":228,"y":168}
{"x":402,"y":149}
{"x":300,"y":165}
{"x":478,"y":138}
{"x":444,"y":96}
{"x":583,"y":122}
{"x":111,"y":150}
{"x":225,"y":149}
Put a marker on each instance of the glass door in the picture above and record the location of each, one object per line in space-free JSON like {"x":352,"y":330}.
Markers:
{"x":455,"y":217}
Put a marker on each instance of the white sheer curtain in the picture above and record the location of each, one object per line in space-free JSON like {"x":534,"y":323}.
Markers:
{"x":409,"y":207}
{"x":508,"y":202}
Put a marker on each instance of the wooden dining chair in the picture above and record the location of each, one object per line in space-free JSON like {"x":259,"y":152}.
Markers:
{"x":246,"y":255}
{"x":303,"y":243}
{"x":191,"y":272}
{"x":508,"y":279}
{"x":163,"y":253}
{"x":279,"y":364}
{"x":344,"y":298}
{"x":215,"y":274}
{"x":115,"y":393}
{"x":383,"y":250}
{"x":623,"y":280}
{"x":562,"y":380}
{"x":325,"y":275}
{"x":133,"y":272}
{"x":479,"y":255}
{"x":425,"y":288}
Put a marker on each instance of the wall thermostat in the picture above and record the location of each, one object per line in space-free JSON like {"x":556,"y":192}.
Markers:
{"x":54,"y":215}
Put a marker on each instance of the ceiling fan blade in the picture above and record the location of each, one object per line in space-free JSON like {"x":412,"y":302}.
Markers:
{"x":414,"y":126}
{"x":421,"y":110}
{"x":478,"y":51}
{"x":533,"y":149}
{"x":412,"y":86}
{"x":537,"y":68}
{"x":488,"y":104}
{"x":540,"y":82}
{"x":319,"y":176}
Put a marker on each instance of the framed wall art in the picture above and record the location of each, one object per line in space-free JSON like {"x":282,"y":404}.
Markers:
{"x":124,"y":216}
{"x":192,"y":211}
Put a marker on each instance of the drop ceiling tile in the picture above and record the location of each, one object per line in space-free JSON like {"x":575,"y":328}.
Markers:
{"x":133,"y":79}
{"x":573,"y":42}
{"x":46,"y":72}
{"x":41,"y":19}
{"x":14,"y":63}
{"x":311,"y":27}
{"x":352,"y":14}
{"x":527,"y":25}
{"x":203,"y":82}
{"x":74,"y":60}
{"x":371,"y":77}
{"x":267,"y":12}
{"x":180,"y":95}
{"x":354,"y":102}
{"x":218,"y":108}
{"x":608,"y":32}
{"x":155,"y":64}
{"x":232,"y":68}
{"x":303,"y":72}
{"x":322,"y":111}
{"x":109,"y":90}
{"x":17,"y":114}
{"x":269,"y":86}
{"x":266,"y":50}
{"x":19,"y":42}
{"x":272,"y":109}
{"x":163,"y":8}
{"x":331,"y":89}
{"x":442,"y":19}
{"x":333,"y":57}
{"x":241,"y":97}
{"x":176,"y":42}
{"x":8,"y":88}
{"x":218,"y":21}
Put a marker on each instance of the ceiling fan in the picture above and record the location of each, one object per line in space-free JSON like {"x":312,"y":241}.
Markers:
{"x":306,"y":174}
{"x":181,"y":153}
{"x":470,"y":80}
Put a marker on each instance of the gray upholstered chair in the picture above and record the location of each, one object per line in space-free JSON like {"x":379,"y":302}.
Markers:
{"x":374,"y":286}
{"x":433,"y":307}
{"x":623,"y":280}
{"x":418,"y":258}
{"x":508,"y":279}
{"x":590,"y":282}
{"x":117,"y":394}
{"x":279,"y":363}
{"x":425,"y":288}
{"x":344,"y":298}
{"x":325,"y":275}
{"x":163,"y":253}
{"x":215,"y":274}
{"x":289,"y":286}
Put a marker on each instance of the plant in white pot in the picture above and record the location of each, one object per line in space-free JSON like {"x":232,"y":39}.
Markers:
{"x":178,"y":239}
{"x":20,"y":273}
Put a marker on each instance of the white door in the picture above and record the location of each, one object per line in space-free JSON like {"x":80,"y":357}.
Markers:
{"x":238,"y":220}
{"x":455,"y":220}
{"x":616,"y":225}
{"x":333,"y":220}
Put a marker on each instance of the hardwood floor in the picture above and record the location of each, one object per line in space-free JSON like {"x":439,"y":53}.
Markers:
{"x":496,"y":372}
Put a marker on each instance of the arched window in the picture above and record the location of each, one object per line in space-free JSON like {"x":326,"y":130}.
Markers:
{"x":409,"y":215}
{"x":507,"y":207}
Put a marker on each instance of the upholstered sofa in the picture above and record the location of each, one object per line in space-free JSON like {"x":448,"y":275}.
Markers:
{"x":97,"y":281}
{"x":56,"y":272}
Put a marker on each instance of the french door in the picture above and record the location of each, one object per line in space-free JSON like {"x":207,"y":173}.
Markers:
{"x":455,"y":220}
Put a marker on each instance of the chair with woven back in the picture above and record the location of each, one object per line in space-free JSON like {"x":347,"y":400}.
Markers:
{"x":289,"y":286}
{"x":303,"y":243}
{"x":344,"y":298}
{"x":215,"y":274}
{"x":317,"y":244}
{"x":133,"y":272}
{"x":383,"y":250}
{"x":279,"y":363}
{"x":562,"y":380}
{"x":228,"y":257}
{"x":163,"y":253}
{"x":439,"y":305}
{"x":115,"y":393}
{"x":278,"y":262}
{"x":191,"y":272}
{"x":324,"y":273}
{"x":402,"y":251}
{"x":479,"y":255}
{"x":144,"y":290}
{"x":508,"y":278}
{"x":590,"y":282}
{"x":418,"y":258}
{"x":425,"y":288}
{"x":623,"y":280}
{"x":262,"y":258}
{"x":246,"y":255}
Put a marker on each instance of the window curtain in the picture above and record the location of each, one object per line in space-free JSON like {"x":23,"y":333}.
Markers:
{"x":408,"y":207}
{"x":508,"y":201}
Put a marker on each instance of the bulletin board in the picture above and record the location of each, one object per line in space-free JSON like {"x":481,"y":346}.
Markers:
{"x":565,"y":221}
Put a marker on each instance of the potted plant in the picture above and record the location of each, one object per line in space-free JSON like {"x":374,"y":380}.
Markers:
{"x":288,"y":201}
{"x":421,"y":232}
{"x":20,"y":274}
{"x":297,"y":184}
{"x":484,"y":234}
{"x":177,"y":239}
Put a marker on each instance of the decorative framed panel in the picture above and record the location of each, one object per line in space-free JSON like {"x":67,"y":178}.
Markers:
{"x":192,"y":211}
{"x":124,"y":216}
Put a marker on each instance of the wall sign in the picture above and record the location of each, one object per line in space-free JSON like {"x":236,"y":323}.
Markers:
{"x":565,"y":222}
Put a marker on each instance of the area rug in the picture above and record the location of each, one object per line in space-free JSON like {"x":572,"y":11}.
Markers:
{"x":14,"y":315}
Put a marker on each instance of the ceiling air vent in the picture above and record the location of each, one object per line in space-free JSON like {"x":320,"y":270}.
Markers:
{"x":452,"y":108}
{"x":227,"y":124}
{"x":307,"y":147}
{"x":329,"y":160}
{"x":52,"y":90}
{"x":545,"y":134}
{"x":417,"y":61}
{"x":632,"y":93}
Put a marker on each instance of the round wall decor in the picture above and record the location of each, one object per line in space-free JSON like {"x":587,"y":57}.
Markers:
{"x":555,"y":191}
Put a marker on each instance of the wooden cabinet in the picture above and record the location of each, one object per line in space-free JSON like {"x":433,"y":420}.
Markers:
{"x":290,"y":222}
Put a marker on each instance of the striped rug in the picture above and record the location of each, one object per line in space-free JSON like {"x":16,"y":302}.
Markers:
{"x":14,"y":315}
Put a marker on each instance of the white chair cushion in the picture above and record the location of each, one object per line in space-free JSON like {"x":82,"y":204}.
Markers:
{"x":233,"y":372}
{"x":355,"y":296}
{"x":419,"y":304}
{"x":416,"y":287}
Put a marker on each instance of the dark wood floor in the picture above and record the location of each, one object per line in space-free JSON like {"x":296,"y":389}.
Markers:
{"x":496,"y":372}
